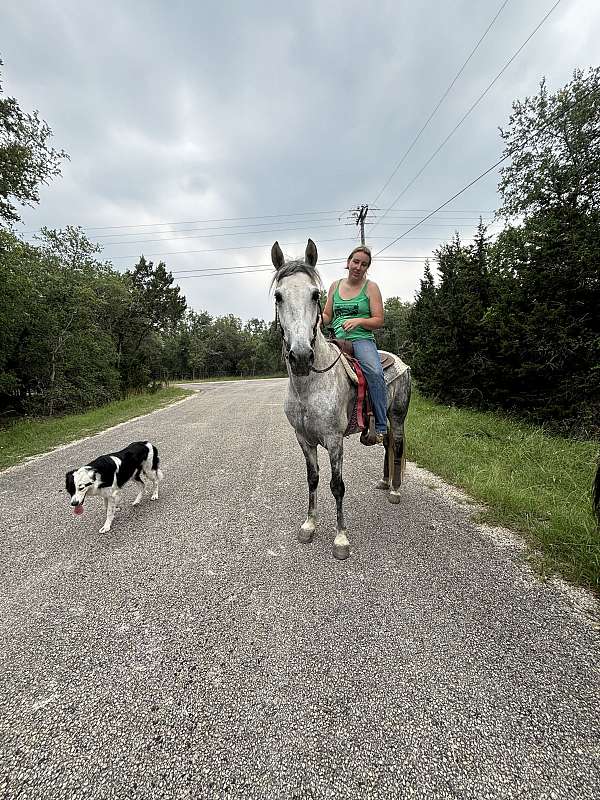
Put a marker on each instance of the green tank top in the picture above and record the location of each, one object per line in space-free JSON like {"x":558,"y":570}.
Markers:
{"x":358,"y":306}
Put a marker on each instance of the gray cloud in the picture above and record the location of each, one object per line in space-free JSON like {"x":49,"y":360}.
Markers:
{"x":189,"y":112}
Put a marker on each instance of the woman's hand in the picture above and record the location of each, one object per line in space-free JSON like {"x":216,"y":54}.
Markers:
{"x":350,"y":324}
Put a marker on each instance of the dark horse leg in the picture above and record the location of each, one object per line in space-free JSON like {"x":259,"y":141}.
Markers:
{"x":306,"y":532}
{"x":395,"y":457}
{"x":335,"y":448}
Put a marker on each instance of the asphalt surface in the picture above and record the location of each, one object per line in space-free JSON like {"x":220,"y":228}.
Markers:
{"x":199,"y":651}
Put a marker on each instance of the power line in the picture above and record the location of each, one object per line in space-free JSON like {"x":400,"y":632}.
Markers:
{"x":254,"y":246}
{"x":397,"y":212}
{"x":476,"y":103}
{"x":201,"y":221}
{"x":441,"y":100}
{"x":464,"y":189}
{"x":167,"y":238}
{"x":179,"y":272}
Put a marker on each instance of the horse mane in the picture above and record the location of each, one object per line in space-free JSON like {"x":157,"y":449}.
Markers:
{"x":293,"y":268}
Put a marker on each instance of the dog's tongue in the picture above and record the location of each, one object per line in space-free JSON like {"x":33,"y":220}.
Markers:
{"x":78,"y":510}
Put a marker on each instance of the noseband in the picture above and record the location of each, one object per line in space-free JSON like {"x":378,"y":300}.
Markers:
{"x":286,"y":348}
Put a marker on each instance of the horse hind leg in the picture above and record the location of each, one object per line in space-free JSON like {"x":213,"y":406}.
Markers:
{"x":396,"y":438}
{"x":307,"y":530}
{"x":388,"y":464}
{"x":398,"y":464}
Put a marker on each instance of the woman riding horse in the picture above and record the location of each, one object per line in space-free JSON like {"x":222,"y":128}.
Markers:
{"x":354,"y":308}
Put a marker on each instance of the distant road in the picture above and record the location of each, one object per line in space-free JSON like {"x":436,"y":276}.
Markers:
{"x":200,"y":651}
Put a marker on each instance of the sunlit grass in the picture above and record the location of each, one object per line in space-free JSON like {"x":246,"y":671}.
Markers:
{"x":530,"y":481}
{"x":26,"y":438}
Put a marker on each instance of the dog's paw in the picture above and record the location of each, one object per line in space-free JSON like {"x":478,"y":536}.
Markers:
{"x":104,"y":529}
{"x":154,"y":497}
{"x":137,"y":501}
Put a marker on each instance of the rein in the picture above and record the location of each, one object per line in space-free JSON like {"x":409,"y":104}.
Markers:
{"x":285,"y":348}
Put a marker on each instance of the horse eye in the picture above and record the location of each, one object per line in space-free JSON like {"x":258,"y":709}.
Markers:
{"x":316,"y":295}
{"x":278,"y":297}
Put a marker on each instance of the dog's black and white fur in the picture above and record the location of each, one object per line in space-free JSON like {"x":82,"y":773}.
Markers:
{"x":106,"y":476}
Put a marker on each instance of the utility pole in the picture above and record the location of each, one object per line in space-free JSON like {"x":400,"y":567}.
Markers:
{"x":361,"y":215}
{"x":358,"y":216}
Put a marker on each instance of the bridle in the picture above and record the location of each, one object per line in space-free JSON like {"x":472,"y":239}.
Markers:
{"x":285,"y":348}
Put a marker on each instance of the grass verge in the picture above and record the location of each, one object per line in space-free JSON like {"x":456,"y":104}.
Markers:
{"x":26,"y":438}
{"x":537,"y":484}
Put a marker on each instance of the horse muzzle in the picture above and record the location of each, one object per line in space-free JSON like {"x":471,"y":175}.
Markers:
{"x":301,"y":360}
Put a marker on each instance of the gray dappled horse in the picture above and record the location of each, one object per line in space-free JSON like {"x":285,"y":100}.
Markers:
{"x":320,"y":396}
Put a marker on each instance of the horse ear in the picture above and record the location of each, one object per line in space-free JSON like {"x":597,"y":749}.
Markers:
{"x":311,"y":254}
{"x":277,"y":256}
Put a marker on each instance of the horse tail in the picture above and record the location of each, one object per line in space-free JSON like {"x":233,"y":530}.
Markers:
{"x":596,"y":494}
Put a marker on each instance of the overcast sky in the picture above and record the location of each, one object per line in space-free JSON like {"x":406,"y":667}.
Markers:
{"x":242,"y":123}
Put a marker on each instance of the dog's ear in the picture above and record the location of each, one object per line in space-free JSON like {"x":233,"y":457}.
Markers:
{"x":70,"y":482}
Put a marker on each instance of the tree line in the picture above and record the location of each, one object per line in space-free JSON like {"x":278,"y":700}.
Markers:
{"x":514,"y":324}
{"x":511,"y":324}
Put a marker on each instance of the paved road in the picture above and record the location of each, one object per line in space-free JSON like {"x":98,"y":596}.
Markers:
{"x":200,"y":651}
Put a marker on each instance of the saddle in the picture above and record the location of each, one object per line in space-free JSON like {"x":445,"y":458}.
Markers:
{"x":362,"y":418}
{"x":347,"y":349}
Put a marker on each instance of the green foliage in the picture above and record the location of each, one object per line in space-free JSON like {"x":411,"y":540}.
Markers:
{"x":515,"y":325}
{"x":24,"y":438}
{"x":205,"y":347}
{"x":554,"y":147}
{"x":26,"y":159}
{"x":395,"y":335}
{"x":152,"y":312}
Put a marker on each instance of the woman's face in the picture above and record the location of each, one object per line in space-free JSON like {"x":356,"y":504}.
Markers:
{"x":358,"y":264}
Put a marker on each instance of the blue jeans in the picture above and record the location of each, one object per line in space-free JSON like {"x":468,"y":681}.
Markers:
{"x":367,"y":356}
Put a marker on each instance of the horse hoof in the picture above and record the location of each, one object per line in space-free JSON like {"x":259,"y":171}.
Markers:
{"x":394,"y":497}
{"x":383,"y":484}
{"x":306,"y":536}
{"x":341,"y":547}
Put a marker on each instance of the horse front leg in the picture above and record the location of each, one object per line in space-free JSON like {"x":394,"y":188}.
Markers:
{"x":335,"y":447}
{"x":307,"y":531}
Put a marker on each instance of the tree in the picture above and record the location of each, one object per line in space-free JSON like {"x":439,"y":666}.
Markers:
{"x":554,"y":147}
{"x":395,"y":336}
{"x":547,"y":267}
{"x":154,"y":309}
{"x":26,"y":159}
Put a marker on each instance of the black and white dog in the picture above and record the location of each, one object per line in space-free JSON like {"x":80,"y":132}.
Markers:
{"x":106,"y":476}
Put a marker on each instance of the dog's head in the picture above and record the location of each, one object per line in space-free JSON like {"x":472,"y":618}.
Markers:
{"x":78,"y":482}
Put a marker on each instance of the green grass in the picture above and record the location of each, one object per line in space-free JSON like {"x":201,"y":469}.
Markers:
{"x":537,"y":484}
{"x":29,"y":437}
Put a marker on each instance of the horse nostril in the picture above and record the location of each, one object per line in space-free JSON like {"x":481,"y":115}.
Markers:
{"x":292,"y":357}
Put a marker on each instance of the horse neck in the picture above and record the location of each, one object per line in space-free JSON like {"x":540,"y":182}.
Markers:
{"x":324,"y":353}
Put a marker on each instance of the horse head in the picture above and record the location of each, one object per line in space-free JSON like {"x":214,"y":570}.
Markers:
{"x":297,"y":294}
